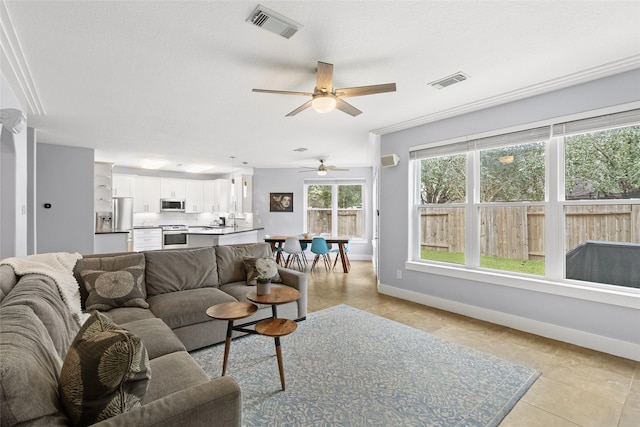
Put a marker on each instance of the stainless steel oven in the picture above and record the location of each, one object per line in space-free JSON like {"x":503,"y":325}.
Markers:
{"x":174,"y":236}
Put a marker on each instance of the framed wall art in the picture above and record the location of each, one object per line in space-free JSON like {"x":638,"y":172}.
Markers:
{"x":281,"y":202}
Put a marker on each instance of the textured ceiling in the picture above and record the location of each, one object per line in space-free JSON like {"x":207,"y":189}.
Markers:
{"x":173,"y":79}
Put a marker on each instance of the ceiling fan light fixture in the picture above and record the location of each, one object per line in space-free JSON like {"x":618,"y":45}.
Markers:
{"x":322,"y":172}
{"x":323,"y":103}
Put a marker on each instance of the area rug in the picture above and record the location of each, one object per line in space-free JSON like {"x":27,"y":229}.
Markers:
{"x":347,"y":367}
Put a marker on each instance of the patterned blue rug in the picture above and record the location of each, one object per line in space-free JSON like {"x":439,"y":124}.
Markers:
{"x":346,"y":367}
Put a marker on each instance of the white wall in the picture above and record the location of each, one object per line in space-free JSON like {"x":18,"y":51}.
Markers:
{"x":13,"y":182}
{"x":290,"y":180}
{"x":605,"y":326}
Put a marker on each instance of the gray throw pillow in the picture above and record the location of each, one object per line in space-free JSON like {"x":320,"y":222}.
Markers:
{"x":106,"y":372}
{"x":114,"y":289}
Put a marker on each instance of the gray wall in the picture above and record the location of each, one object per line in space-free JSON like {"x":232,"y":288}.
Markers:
{"x":289,"y":180}
{"x":65,"y":180}
{"x":600,"y":324}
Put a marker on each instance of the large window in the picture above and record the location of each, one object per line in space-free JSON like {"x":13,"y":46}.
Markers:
{"x":602,"y":177}
{"x":335,"y":208}
{"x":489,"y":202}
{"x":442,"y":208}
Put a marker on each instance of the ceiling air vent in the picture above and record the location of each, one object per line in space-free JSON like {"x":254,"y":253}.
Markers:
{"x":449,"y":80}
{"x":273,"y":21}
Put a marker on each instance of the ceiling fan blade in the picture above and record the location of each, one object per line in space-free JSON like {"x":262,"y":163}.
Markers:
{"x":365,"y":90}
{"x":282,"y":92}
{"x":347,"y":108}
{"x":300,"y":108}
{"x":324,"y":79}
{"x":333,"y":168}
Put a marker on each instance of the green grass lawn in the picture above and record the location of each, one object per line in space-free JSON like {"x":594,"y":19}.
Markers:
{"x":495,"y":263}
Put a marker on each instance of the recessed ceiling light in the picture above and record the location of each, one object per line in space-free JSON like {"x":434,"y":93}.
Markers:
{"x":152,"y":163}
{"x":197,"y":168}
{"x":301,"y":149}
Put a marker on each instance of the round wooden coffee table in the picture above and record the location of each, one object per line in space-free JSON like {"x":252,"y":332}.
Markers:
{"x":276,"y":327}
{"x":271,"y":327}
{"x":230,"y":311}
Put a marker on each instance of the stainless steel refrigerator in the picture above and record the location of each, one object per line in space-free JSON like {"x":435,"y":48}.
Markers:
{"x":123,"y":217}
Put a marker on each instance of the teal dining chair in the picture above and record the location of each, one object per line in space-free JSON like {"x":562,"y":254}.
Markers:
{"x":320,"y":248}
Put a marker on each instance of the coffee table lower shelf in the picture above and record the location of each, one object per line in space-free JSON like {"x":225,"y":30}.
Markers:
{"x":271,"y":327}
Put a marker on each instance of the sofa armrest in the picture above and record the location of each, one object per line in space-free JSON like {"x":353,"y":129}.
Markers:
{"x":298,"y":280}
{"x":216,"y":402}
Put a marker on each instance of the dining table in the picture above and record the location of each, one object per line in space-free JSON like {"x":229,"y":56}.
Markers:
{"x":341,"y":241}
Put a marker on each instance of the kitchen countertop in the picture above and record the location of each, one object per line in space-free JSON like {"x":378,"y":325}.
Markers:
{"x":112,"y":232}
{"x":221,"y":230}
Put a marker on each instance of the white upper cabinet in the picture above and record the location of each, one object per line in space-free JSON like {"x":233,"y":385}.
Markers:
{"x":242,"y":193}
{"x":194,"y":196}
{"x":171,"y":188}
{"x":221,"y":195}
{"x":123,"y":185}
{"x":208,"y":197}
{"x":147,"y":195}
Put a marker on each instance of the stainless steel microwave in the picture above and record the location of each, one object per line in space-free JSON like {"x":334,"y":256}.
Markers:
{"x":172,"y":205}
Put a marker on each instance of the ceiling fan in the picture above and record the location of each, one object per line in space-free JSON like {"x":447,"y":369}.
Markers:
{"x":325,"y":98}
{"x":322,"y":169}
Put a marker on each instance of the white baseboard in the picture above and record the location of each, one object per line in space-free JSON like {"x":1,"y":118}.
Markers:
{"x":583,"y":339}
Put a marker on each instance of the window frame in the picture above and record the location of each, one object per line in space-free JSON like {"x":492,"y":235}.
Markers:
{"x":335,"y":183}
{"x":553,"y":281}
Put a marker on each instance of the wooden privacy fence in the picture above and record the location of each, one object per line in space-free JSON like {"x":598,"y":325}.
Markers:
{"x":518,"y":232}
{"x":349,"y":222}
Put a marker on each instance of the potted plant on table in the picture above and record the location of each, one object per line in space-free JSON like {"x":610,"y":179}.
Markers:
{"x":267,"y":269}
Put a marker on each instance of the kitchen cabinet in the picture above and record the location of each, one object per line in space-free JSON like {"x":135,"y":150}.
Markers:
{"x":243,"y":188}
{"x":194,"y":196}
{"x":105,"y":243}
{"x":207,"y":240}
{"x":123,"y":185}
{"x":222,"y":195}
{"x":208,"y":195}
{"x":146,"y":197}
{"x":147,"y":239}
{"x":171,"y":188}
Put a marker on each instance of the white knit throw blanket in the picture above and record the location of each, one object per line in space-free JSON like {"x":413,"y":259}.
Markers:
{"x":59,"y":267}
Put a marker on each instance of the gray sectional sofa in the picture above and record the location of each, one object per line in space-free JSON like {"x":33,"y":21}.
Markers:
{"x":174,"y":289}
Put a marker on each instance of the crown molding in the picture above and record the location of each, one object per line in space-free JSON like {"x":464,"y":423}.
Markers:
{"x":15,"y":67}
{"x":601,"y":71}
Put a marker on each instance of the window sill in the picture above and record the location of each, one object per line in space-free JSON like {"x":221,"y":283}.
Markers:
{"x":607,"y":294}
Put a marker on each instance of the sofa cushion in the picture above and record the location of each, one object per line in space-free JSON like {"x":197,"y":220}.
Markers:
{"x":106,"y":372}
{"x":113,"y":289}
{"x":29,"y":368}
{"x":174,"y":372}
{"x":229,"y":259}
{"x":180,"y":269}
{"x":107,"y":263}
{"x":185,"y":308}
{"x":156,"y":336}
{"x":41,"y":294}
{"x":252,"y":270}
{"x":124,"y":315}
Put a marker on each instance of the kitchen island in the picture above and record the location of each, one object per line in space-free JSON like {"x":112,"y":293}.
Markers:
{"x":218,"y":235}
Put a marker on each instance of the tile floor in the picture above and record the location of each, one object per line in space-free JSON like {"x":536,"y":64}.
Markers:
{"x":578,"y":386}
